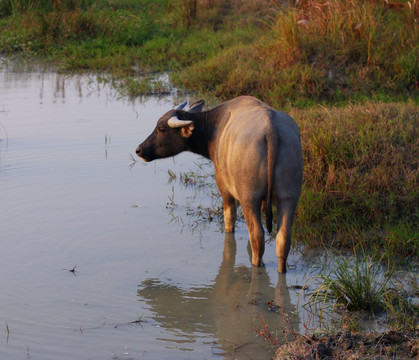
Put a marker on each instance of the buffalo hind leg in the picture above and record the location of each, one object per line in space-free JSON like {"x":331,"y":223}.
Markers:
{"x":229,"y":205}
{"x":286,"y":209}
{"x":230,"y":212}
{"x":256,"y":233}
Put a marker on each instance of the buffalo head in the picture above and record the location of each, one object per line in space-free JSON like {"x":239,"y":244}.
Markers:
{"x":170,"y":137}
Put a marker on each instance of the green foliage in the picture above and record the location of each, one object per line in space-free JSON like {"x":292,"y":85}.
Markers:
{"x":14,"y":7}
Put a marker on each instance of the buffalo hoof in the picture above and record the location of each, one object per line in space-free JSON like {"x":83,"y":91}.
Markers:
{"x":257,"y":262}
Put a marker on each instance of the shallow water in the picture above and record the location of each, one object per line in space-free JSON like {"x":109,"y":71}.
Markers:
{"x":71,"y":196}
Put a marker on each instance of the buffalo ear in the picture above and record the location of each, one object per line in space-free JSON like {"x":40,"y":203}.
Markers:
{"x":181,"y":106}
{"x":197,"y":106}
{"x":186,"y":131}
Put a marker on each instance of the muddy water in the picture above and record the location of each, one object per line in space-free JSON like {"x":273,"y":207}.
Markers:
{"x":70,"y":199}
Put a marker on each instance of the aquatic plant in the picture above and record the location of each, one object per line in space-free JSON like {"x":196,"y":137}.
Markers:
{"x":262,"y":330}
{"x":138,"y":320}
{"x":356,"y":283}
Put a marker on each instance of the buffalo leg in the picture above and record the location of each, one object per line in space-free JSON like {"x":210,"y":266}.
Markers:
{"x":286,"y":209}
{"x":230,"y":213}
{"x":256,"y":233}
{"x":229,"y":206}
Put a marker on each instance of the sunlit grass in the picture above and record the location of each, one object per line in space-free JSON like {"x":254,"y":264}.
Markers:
{"x":328,"y":51}
{"x":361,"y":177}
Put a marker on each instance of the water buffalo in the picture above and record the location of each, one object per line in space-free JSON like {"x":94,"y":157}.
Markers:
{"x":257,"y":156}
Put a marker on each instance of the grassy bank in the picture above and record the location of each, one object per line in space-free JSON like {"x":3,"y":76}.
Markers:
{"x":361,"y":177}
{"x":320,"y":51}
{"x":327,"y":51}
{"x":128,"y":39}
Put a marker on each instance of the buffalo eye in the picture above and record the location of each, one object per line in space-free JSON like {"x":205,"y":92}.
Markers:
{"x":161,"y":130}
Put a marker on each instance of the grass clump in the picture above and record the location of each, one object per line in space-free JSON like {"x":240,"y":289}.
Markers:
{"x":360,"y":284}
{"x":356,"y":283}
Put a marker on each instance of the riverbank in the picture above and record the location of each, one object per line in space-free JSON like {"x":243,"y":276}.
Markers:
{"x":384,"y":346}
{"x":300,"y":56}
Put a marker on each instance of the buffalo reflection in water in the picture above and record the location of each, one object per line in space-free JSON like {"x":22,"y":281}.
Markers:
{"x":240,"y":300}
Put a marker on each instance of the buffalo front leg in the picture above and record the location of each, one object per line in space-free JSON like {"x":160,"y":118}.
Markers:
{"x":256,"y":233}
{"x":286,"y":211}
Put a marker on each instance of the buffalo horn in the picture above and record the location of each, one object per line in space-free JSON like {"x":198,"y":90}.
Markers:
{"x":174,"y":122}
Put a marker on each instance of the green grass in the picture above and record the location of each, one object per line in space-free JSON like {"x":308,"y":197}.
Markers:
{"x":361,"y":177}
{"x":122,"y":37}
{"x":359,"y":284}
{"x":287,"y":56}
{"x":356,"y":283}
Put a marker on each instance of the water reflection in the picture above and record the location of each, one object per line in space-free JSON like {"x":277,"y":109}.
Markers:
{"x":231,"y":308}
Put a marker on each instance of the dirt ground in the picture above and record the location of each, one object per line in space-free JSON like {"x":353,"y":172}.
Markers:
{"x":390,"y":345}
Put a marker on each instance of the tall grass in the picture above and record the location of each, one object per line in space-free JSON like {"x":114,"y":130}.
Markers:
{"x":361,"y":176}
{"x":315,"y":50}
{"x":319,"y":50}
